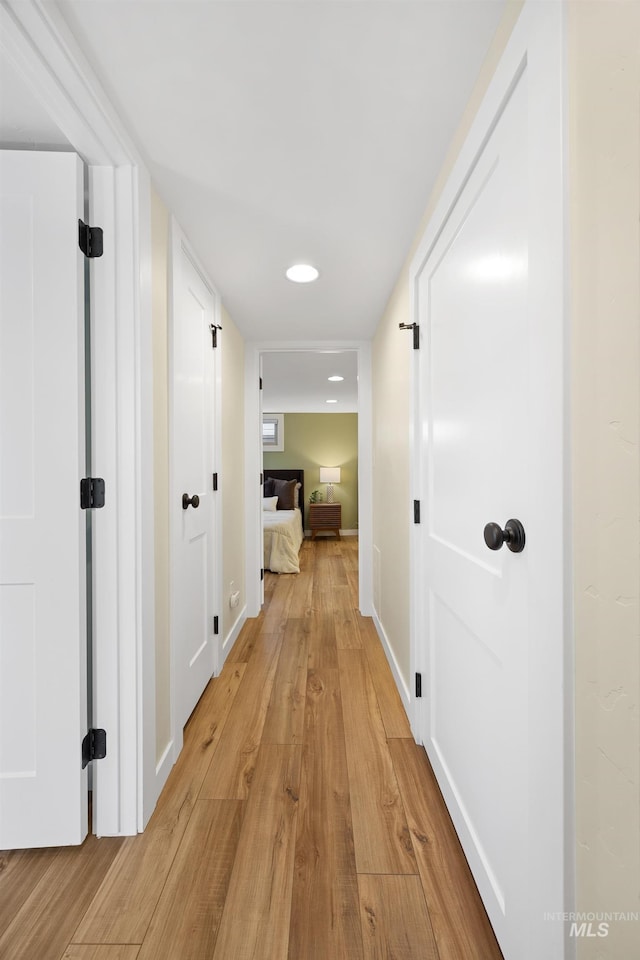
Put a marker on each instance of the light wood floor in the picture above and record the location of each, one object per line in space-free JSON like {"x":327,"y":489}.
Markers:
{"x":301,"y":821}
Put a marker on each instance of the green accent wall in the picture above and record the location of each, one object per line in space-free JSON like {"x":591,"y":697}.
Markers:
{"x":314,"y":440}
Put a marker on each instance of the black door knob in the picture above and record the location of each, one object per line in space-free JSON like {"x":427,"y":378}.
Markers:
{"x":512,"y":535}
{"x":194,"y":501}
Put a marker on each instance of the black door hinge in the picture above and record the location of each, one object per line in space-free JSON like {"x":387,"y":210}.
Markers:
{"x":416,"y":333}
{"x":215,"y":625}
{"x":418,"y":684}
{"x":90,"y":240}
{"x":262,"y":574}
{"x":215,"y":481}
{"x":94,"y":746}
{"x":261,"y":383}
{"x":91,"y":493}
{"x":214,"y":327}
{"x":261,"y":479}
{"x":416,"y":511}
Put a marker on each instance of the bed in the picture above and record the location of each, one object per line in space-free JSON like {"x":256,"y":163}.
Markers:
{"x":283,"y":531}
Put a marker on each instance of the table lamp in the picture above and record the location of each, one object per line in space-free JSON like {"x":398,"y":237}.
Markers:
{"x":329,"y":475}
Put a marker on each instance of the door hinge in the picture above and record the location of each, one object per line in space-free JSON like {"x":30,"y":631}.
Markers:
{"x":416,"y":333}
{"x":214,"y":327}
{"x":261,"y":383}
{"x":94,"y":746}
{"x":418,"y":684}
{"x":416,"y":511}
{"x":91,"y":493}
{"x":261,"y":479}
{"x":215,"y":481}
{"x":90,"y":240}
{"x":215,"y":626}
{"x":262,"y":574}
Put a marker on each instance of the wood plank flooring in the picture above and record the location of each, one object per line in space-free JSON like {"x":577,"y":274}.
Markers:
{"x":301,"y":821}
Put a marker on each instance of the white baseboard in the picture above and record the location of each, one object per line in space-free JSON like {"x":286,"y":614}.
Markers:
{"x":163,"y":766}
{"x":233,"y":635}
{"x":403,"y":689}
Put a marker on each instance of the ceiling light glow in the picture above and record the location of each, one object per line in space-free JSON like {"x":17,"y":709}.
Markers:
{"x":331,"y":401}
{"x":302,"y":273}
{"x":335,"y":379}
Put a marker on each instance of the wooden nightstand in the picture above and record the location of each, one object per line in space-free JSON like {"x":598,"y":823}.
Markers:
{"x":325,"y":516}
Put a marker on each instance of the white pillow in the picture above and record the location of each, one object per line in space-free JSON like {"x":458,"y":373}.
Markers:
{"x":270,"y":503}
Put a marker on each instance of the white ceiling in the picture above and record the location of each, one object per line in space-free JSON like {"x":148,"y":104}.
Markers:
{"x":297,"y":382}
{"x":278,"y":132}
{"x":281,"y":131}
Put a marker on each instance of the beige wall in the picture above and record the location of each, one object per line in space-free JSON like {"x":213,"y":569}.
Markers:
{"x":232,"y":470}
{"x":160,"y":260}
{"x":391,"y":377}
{"x":604,"y":145}
{"x":312,"y":440}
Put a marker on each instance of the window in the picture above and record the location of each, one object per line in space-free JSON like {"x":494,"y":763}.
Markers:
{"x":273,"y":432}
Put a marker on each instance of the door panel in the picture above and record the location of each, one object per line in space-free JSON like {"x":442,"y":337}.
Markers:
{"x":473,"y":308}
{"x":43,"y":678}
{"x":193,"y":467}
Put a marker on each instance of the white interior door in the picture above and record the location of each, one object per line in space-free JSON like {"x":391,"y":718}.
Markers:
{"x":261,"y":491}
{"x":490,"y":636}
{"x":193,"y":461}
{"x":43,"y":677}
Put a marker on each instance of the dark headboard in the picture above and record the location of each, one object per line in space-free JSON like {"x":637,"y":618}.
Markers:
{"x":289,"y":475}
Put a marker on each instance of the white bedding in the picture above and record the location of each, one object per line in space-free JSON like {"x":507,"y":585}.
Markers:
{"x":282,"y":539}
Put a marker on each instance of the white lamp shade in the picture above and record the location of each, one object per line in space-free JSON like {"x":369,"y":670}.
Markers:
{"x":329,"y":474}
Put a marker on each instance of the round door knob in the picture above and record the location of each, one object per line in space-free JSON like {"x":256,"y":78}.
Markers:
{"x":512,"y":535}
{"x":193,"y":501}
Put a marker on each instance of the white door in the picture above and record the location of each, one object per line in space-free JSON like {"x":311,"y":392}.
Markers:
{"x":192,"y":500}
{"x":261,"y":525}
{"x":43,"y":677}
{"x":491,"y":632}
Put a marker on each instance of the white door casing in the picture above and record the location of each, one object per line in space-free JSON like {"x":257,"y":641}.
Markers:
{"x":489,"y":429}
{"x":195,"y":567}
{"x":43,"y":670}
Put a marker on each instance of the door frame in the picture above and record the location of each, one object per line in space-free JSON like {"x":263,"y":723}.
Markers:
{"x":538,"y":42}
{"x":179,"y":247}
{"x":253,"y":463}
{"x":40,"y":46}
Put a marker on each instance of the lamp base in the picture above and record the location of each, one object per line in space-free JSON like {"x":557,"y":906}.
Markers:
{"x":329,"y":493}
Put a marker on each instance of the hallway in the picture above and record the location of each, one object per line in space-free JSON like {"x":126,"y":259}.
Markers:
{"x":301,"y":821}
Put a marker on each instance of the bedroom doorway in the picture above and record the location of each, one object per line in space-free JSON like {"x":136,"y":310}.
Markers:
{"x":296,"y":386}
{"x":310,"y":423}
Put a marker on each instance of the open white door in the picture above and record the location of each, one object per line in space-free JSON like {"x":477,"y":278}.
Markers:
{"x":43,"y":677}
{"x":488,"y":296}
{"x":192,"y":509}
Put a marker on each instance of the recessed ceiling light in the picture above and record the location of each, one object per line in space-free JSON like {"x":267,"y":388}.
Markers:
{"x":335,"y":379}
{"x":302,"y":273}
{"x":331,"y":401}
